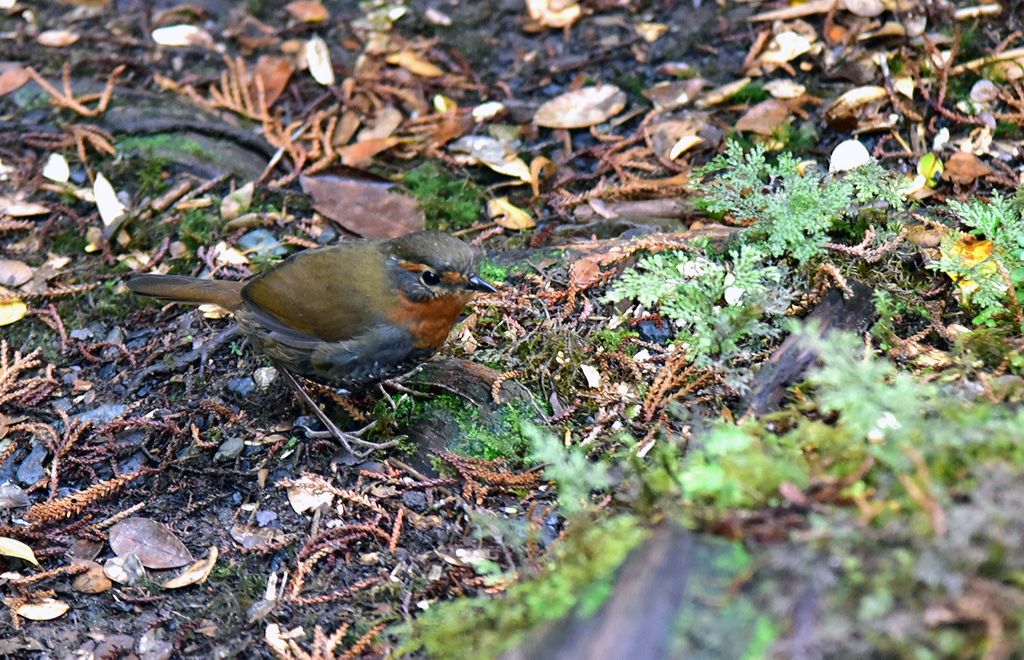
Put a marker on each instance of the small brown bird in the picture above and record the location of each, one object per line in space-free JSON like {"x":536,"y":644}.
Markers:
{"x":351,"y":314}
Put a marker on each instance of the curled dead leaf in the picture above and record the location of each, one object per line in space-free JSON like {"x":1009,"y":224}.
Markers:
{"x":196,"y":573}
{"x":93,"y":581}
{"x":764,"y":118}
{"x":307,"y":11}
{"x":415,"y":64}
{"x":508,"y":215}
{"x":14,"y":548}
{"x":961,"y":167}
{"x":540,"y":168}
{"x":554,"y":13}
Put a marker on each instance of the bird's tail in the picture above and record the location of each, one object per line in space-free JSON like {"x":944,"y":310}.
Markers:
{"x":177,"y":288}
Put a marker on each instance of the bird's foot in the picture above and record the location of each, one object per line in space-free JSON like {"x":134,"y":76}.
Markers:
{"x":348,"y":439}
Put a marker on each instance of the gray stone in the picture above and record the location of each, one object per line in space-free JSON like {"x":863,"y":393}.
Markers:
{"x":31,"y":469}
{"x":241,"y":386}
{"x":263,"y":243}
{"x":104,"y":414}
{"x":229,"y":450}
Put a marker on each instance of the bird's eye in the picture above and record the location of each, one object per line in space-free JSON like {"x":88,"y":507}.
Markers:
{"x":430,"y":278}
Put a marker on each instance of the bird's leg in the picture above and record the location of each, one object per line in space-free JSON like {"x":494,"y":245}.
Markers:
{"x":396,"y":384}
{"x":345,"y":438}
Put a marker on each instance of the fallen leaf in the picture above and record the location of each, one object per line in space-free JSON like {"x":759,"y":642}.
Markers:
{"x":21,"y":209}
{"x":365,"y":207}
{"x":11,"y":309}
{"x":57,"y":169}
{"x":540,"y":168}
{"x":784,"y":47}
{"x":383,"y":125}
{"x":493,"y":153}
{"x":364,"y":150}
{"x":110,"y":207}
{"x":581,"y":108}
{"x":308,"y":11}
{"x":124,"y":570}
{"x":592,"y":375}
{"x":962,"y":167}
{"x":196,"y":573}
{"x":274,"y":73}
{"x":153,"y":543}
{"x":930,"y":167}
{"x":764,"y":118}
{"x":722,"y":94}
{"x":674,"y":93}
{"x":12,"y":496}
{"x":93,"y":581}
{"x":487,"y":111}
{"x":318,"y":58}
{"x":250,"y":536}
{"x":508,"y":215}
{"x":863,"y":8}
{"x":848,"y":155}
{"x":414,"y":64}
{"x":554,"y":13}
{"x":237,"y":201}
{"x":182,"y":36}
{"x":13,"y":78}
{"x":975,"y":254}
{"x":683,"y":145}
{"x":650,"y":32}
{"x":14,"y":272}
{"x":584,"y":272}
{"x":785,"y":88}
{"x":43,"y":610}
{"x":305,"y":496}
{"x":57,"y":38}
{"x":14,"y":548}
{"x":844,"y":108}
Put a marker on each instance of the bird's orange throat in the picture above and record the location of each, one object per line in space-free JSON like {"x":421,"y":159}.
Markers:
{"x":431,"y":320}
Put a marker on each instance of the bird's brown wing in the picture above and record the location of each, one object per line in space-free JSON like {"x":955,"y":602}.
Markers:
{"x":333,"y":294}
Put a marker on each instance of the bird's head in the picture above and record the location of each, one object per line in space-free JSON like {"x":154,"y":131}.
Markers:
{"x":429,"y":265}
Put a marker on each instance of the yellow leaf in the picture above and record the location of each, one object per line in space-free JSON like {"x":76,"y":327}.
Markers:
{"x":11,"y":310}
{"x":415,"y":64}
{"x":196,"y":573}
{"x":508,"y":215}
{"x":972,"y":254}
{"x":13,"y":548}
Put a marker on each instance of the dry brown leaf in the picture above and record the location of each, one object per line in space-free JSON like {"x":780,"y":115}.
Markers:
{"x":274,"y":73}
{"x":674,"y":93}
{"x":13,"y":78}
{"x":764,"y":118}
{"x":414,"y":64}
{"x":14,"y":272}
{"x":93,"y":581}
{"x":43,"y":610}
{"x":360,"y":152}
{"x":964,"y":168}
{"x":57,"y":38}
{"x":722,"y":94}
{"x":585,"y":272}
{"x":153,"y":543}
{"x":784,"y":47}
{"x":196,"y":573}
{"x":304,"y":496}
{"x":307,"y":11}
{"x":250,"y":536}
{"x":581,"y":108}
{"x":383,"y":125}
{"x":365,"y":207}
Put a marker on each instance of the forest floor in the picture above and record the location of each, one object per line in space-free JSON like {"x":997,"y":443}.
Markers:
{"x":750,"y":386}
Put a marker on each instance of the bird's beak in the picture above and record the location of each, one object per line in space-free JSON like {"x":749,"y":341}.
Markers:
{"x":477,"y":283}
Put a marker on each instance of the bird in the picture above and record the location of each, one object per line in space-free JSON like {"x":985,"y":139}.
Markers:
{"x":350,"y":314}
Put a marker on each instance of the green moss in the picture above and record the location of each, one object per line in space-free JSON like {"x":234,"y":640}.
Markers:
{"x":579,"y":572}
{"x":155,"y":147}
{"x":612,"y":340}
{"x":752,"y":93}
{"x":197,"y":227}
{"x":69,"y":243}
{"x":1008,"y":130}
{"x":447,"y":203}
{"x":492,"y":272}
